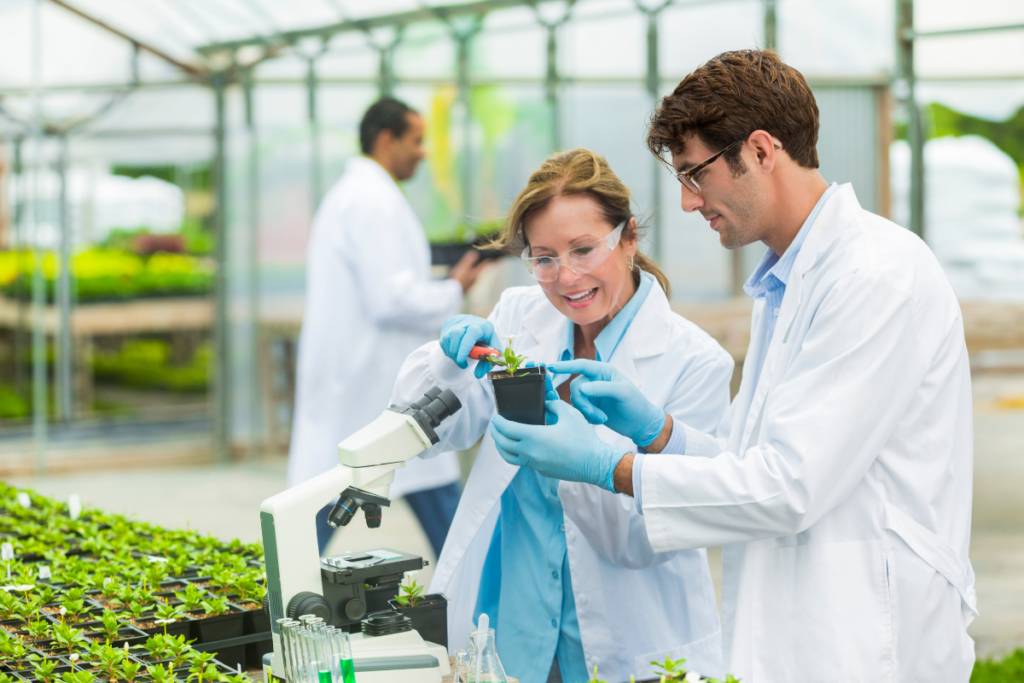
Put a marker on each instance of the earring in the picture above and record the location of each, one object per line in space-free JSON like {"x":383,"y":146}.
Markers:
{"x":629,"y":264}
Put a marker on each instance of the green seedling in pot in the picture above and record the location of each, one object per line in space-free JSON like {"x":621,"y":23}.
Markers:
{"x":178,"y":649}
{"x":39,"y":629}
{"x":77,"y":677}
{"x":508,"y":359}
{"x":138,"y":610}
{"x":411,"y":595}
{"x":191,"y":597}
{"x":161,"y":674}
{"x":110,"y":626}
{"x":168,"y":614}
{"x":69,"y":637}
{"x":156,"y":646}
{"x":128,"y":671}
{"x":214,"y":605}
{"x":110,"y":659}
{"x":14,"y":650}
{"x":44,"y":670}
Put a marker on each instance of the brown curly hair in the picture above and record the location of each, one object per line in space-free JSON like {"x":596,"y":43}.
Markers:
{"x":576,"y":172}
{"x":730,"y":97}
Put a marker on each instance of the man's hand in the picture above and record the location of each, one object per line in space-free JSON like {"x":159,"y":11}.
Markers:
{"x":568,"y":449}
{"x":468,"y":269}
{"x":606,"y":396}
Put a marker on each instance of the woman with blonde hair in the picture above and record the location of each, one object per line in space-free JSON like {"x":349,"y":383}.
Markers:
{"x":565,"y":570}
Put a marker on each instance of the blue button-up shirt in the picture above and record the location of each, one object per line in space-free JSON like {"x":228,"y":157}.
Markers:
{"x":526,"y":587}
{"x":768,"y":282}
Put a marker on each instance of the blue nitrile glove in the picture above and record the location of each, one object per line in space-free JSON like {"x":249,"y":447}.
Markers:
{"x":549,"y":389}
{"x":567,"y":448}
{"x":460,"y":333}
{"x":606,"y":396}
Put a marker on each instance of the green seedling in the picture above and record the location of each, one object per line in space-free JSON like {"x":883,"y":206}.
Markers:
{"x":44,"y":670}
{"x":508,"y":360}
{"x":670,"y":670}
{"x":214,"y":605}
{"x":411,"y":595}
{"x":78,"y":677}
{"x":128,"y":671}
{"x":594,"y":679}
{"x":161,"y":674}
{"x":69,"y":637}
{"x":110,"y":625}
{"x":191,"y":597}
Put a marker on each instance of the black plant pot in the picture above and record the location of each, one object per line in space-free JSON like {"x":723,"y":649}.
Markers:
{"x":255,"y":620}
{"x":520,"y":398}
{"x":429,"y":618}
{"x":449,"y":253}
{"x":221,"y":627}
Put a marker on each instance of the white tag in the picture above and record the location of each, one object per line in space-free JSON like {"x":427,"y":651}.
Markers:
{"x":6,"y":552}
{"x":24,"y":499}
{"x":155,"y":559}
{"x":44,"y":573}
{"x":74,"y":506}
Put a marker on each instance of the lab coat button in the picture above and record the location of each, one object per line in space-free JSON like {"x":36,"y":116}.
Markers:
{"x":582,"y":599}
{"x":571,"y":536}
{"x":554,"y":575}
{"x":776,"y":311}
{"x":554,"y":624}
{"x":561,"y":527}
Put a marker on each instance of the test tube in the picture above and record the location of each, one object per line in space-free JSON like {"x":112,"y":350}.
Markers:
{"x":324,"y":657}
{"x":343,"y":651}
{"x":285,"y":656}
{"x":333,"y":654}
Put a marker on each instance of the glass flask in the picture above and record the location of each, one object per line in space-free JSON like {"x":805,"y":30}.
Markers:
{"x":484,"y":665}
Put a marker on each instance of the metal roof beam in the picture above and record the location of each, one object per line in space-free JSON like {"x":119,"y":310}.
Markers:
{"x":398,"y":19}
{"x":190,"y":69}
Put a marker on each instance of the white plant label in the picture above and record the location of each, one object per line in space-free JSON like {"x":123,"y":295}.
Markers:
{"x":6,"y":552}
{"x":156,"y":559}
{"x":24,"y":499}
{"x":74,"y":506}
{"x":45,"y":574}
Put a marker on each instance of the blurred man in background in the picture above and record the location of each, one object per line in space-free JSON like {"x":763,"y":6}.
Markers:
{"x":370,"y":301}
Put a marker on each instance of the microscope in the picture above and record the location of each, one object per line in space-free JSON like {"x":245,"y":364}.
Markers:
{"x":343,"y":590}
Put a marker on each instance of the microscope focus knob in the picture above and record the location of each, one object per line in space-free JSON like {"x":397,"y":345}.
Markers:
{"x":309,"y":603}
{"x":355,"y":609}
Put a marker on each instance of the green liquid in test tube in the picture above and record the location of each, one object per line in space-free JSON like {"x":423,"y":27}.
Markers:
{"x":343,"y":649}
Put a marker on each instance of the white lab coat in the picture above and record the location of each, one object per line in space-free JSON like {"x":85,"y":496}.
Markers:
{"x":843,"y":485}
{"x":369,"y":303}
{"x":634,"y":604}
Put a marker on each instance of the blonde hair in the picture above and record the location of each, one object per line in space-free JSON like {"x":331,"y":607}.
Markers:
{"x":577,"y":172}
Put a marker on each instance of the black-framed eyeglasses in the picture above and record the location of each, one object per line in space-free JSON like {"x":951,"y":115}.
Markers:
{"x":686,"y":177}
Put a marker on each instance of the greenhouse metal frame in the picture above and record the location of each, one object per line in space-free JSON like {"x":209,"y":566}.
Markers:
{"x":233,"y":63}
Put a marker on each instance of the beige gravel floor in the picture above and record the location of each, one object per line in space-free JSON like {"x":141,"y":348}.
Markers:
{"x":225,"y":501}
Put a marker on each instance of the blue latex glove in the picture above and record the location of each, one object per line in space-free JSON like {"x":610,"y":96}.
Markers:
{"x":606,"y":396}
{"x":566,"y":448}
{"x":460,"y":333}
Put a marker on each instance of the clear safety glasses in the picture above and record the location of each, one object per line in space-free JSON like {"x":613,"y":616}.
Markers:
{"x":580,"y":260}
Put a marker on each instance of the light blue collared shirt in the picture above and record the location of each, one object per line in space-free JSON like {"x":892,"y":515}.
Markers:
{"x":768,"y":282}
{"x":526,"y":587}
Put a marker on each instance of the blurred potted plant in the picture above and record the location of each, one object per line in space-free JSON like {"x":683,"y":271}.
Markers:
{"x":428,"y":613}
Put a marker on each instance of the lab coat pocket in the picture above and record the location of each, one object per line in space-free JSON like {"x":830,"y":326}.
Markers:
{"x":822,"y":612}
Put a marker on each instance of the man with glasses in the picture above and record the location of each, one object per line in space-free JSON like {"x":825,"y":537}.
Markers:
{"x":840,"y":483}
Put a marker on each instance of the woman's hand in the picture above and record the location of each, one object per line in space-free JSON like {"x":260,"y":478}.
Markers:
{"x":460,"y":333}
{"x":606,"y":396}
{"x":566,"y":448}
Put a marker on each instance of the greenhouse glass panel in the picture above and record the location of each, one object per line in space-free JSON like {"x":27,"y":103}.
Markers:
{"x":610,"y":45}
{"x":511,"y":45}
{"x":426,"y":50}
{"x":689,"y":36}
